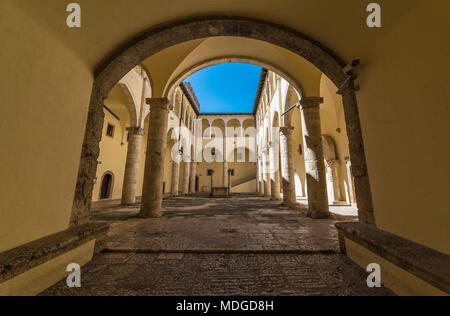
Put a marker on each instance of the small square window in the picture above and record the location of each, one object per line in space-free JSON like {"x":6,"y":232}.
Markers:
{"x":110,"y":130}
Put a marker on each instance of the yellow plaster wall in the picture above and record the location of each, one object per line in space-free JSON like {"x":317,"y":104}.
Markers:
{"x":112,"y":158}
{"x":405,"y":114}
{"x":205,"y":180}
{"x":44,"y":96}
{"x":247,"y":187}
{"x":242,"y":170}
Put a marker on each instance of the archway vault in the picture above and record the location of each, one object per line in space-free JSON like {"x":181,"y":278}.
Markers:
{"x":154,"y":41}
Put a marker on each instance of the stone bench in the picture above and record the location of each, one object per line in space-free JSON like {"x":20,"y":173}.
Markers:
{"x":44,"y":259}
{"x":419,"y":263}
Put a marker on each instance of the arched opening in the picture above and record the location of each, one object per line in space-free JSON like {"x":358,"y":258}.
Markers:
{"x":151,"y":44}
{"x":106,"y":186}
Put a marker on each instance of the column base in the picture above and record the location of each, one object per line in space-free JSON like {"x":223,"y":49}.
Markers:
{"x":315,"y":215}
{"x":294,"y":205}
{"x":127,"y":204}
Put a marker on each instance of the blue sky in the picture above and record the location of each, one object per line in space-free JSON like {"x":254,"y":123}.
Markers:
{"x":226,"y":88}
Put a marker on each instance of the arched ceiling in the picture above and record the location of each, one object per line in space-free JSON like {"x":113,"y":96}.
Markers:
{"x":117,"y":102}
{"x":161,"y":65}
{"x":106,"y":25}
{"x":305,"y":75}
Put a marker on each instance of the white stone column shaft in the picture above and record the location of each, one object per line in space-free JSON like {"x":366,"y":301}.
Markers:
{"x":186,"y":176}
{"x":287,"y":166}
{"x":174,"y":187}
{"x":314,"y":159}
{"x":351,"y":187}
{"x":333,"y":179}
{"x":193,"y":176}
{"x":257,"y":175}
{"x":266,"y":173}
{"x":132,"y":165}
{"x":261,"y":177}
{"x":225,"y":162}
{"x":275,"y":169}
{"x":152,"y":194}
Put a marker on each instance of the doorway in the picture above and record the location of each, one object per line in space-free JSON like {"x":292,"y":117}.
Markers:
{"x":106,"y":186}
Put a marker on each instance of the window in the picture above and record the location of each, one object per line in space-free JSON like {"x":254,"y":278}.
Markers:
{"x":110,"y":130}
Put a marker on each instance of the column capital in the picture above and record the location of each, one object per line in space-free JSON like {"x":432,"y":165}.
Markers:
{"x":311,"y":103}
{"x":286,"y":130}
{"x":158,"y":103}
{"x":136,"y":131}
{"x":333,"y":163}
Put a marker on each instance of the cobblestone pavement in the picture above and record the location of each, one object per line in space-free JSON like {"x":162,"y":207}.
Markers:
{"x":240,"y":246}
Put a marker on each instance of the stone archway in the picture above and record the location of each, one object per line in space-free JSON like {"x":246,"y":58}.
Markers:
{"x":132,"y":53}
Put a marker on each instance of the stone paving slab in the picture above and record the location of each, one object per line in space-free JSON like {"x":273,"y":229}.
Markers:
{"x":219,"y":275}
{"x":245,"y":245}
{"x":239,"y":224}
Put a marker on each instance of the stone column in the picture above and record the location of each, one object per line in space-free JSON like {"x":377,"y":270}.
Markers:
{"x":351,"y":190}
{"x":266,"y":172}
{"x":152,"y":194}
{"x":287,"y":166}
{"x":362,"y":187}
{"x":225,"y":162}
{"x":275,"y":169}
{"x":333,"y":180}
{"x":193,"y":177}
{"x":186,"y":176}
{"x":175,"y":176}
{"x":261,"y":176}
{"x":225,"y":174}
{"x":132,"y":165}
{"x":229,"y":183}
{"x":257,"y":175}
{"x":212,"y":181}
{"x":314,"y":160}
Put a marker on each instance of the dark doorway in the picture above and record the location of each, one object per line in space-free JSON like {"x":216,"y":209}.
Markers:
{"x":106,"y":188}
